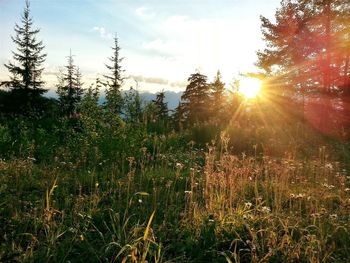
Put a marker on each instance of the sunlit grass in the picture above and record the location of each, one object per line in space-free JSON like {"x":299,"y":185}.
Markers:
{"x":211,"y":206}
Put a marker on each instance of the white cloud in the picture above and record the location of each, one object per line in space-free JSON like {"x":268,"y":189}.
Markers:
{"x":208,"y":44}
{"x":168,"y":48}
{"x":103,"y":32}
{"x":145,"y":13}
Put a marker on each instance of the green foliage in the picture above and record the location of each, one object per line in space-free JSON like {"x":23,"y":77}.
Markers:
{"x":115,"y":183}
{"x":114,"y":81}
{"x":195,"y":100}
{"x":26,"y":69}
{"x":132,"y":108}
{"x":70,"y":88}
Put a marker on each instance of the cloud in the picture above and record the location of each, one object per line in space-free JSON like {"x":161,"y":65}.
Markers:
{"x":158,"y":81}
{"x":206,"y":43}
{"x":162,"y":47}
{"x":151,"y":80}
{"x":103,"y":32}
{"x":145,"y":13}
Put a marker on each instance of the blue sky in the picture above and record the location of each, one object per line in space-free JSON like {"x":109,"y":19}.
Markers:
{"x":163,"y":42}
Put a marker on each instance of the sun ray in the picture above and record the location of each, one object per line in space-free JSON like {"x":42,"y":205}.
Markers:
{"x":250,"y":87}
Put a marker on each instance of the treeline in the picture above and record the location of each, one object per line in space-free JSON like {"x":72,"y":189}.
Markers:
{"x":25,"y":89}
{"x":305,"y":69}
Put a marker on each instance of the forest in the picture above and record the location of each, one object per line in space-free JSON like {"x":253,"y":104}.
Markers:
{"x":254,"y":171}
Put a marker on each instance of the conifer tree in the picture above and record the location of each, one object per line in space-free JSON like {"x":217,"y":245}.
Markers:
{"x":70,"y":88}
{"x":196,"y":99}
{"x":217,"y":98}
{"x":26,"y":69}
{"x":178,"y":117}
{"x":114,"y":81}
{"x":132,"y":107}
{"x":161,"y":106}
{"x":90,"y":109}
{"x":307,"y":53}
{"x":307,"y":46}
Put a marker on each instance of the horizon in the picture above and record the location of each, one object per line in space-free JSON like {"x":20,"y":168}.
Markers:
{"x":174,"y":38}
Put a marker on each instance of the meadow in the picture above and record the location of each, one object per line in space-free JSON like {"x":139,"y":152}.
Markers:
{"x":130,"y":195}
{"x":252,"y":170}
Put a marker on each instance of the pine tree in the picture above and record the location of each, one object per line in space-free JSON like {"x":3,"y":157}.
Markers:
{"x":132,"y":106}
{"x":196,"y":99}
{"x":217,"y":99}
{"x":307,"y":52}
{"x":307,"y":47}
{"x":114,"y":81}
{"x":27,"y":69}
{"x":90,"y":109}
{"x":161,"y":106}
{"x":178,"y":117}
{"x":70,"y":88}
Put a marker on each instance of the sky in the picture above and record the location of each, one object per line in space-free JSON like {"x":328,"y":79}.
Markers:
{"x":162,"y":41}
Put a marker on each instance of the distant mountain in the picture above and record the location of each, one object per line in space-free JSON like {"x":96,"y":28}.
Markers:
{"x":171,"y":97}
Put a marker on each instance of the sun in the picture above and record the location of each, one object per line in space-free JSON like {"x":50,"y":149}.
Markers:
{"x":250,"y":87}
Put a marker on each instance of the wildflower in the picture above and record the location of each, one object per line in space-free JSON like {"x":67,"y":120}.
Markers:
{"x":315,"y":215}
{"x":333,"y":216}
{"x":179,"y":166}
{"x":140,"y":201}
{"x":300,"y":195}
{"x":143,"y":150}
{"x":96,"y":184}
{"x":265,"y":209}
{"x":329,"y":166}
{"x":82,"y":238}
{"x":131,"y":159}
{"x":248,"y":205}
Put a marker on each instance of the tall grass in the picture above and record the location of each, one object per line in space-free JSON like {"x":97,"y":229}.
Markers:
{"x":136,"y":197}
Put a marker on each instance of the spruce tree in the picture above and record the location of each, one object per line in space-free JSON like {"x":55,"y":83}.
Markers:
{"x":132,"y":108}
{"x":70,"y":88}
{"x":217,"y":99}
{"x":178,"y":117}
{"x":26,"y":70}
{"x":114,"y":81}
{"x":307,"y":54}
{"x":196,"y":99}
{"x":90,"y":109}
{"x":161,"y":106}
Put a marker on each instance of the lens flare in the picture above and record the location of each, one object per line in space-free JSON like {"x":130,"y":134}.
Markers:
{"x":250,"y":87}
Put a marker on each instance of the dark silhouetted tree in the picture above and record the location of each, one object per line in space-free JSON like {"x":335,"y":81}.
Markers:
{"x":161,"y":107}
{"x":218,"y":99}
{"x":70,"y":88}
{"x":114,"y":81}
{"x":178,"y":118}
{"x":196,"y":100}
{"x":26,"y":69}
{"x":132,"y":107}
